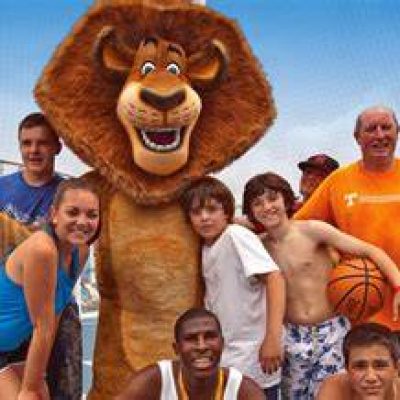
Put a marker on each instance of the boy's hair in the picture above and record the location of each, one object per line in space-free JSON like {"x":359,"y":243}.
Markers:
{"x":204,"y":189}
{"x":193,"y":313}
{"x":369,"y":334}
{"x":76,"y":184}
{"x":257,"y":186}
{"x":36,"y":119}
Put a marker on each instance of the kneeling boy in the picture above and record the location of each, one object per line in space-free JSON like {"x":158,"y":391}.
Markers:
{"x":372,"y":360}
{"x":196,"y":373}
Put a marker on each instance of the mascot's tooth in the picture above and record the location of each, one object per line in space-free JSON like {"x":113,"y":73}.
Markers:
{"x":159,"y":147}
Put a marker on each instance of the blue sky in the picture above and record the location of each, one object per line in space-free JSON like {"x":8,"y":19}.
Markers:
{"x":326,"y":61}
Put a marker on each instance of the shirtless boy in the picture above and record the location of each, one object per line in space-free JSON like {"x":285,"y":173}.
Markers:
{"x":314,"y":334}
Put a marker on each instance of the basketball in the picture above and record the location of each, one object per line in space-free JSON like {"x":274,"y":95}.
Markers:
{"x":357,"y":289}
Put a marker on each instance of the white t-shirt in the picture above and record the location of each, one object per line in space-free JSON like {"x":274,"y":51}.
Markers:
{"x":168,"y":387}
{"x":238,"y":298}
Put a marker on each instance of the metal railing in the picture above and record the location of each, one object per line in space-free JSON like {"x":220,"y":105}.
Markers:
{"x":18,"y":165}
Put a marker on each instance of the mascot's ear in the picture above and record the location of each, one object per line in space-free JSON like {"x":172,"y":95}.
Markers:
{"x":207,"y":67}
{"x":112,"y":57}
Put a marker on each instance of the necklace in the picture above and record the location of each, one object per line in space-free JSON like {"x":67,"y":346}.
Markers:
{"x":218,"y":394}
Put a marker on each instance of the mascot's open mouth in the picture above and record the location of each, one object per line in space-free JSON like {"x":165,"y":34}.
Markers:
{"x":162,"y":139}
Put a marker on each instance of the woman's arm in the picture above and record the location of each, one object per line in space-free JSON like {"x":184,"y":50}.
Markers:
{"x":39,"y":263}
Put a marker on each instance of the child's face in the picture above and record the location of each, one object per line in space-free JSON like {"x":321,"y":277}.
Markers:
{"x":372,"y":371}
{"x":208,"y":220}
{"x":269,"y":208}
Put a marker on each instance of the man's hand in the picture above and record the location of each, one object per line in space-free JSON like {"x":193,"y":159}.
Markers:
{"x":271,"y":354}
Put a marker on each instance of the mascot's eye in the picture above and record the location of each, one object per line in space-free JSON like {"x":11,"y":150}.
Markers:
{"x":147,"y":67}
{"x":174,"y":68}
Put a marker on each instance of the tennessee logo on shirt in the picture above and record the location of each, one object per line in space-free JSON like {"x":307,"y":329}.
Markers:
{"x":353,"y":198}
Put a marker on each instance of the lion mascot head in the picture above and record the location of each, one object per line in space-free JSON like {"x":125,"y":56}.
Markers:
{"x":153,"y":96}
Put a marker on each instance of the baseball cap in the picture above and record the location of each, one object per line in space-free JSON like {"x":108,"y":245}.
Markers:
{"x":319,"y":161}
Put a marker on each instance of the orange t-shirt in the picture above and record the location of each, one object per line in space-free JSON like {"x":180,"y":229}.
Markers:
{"x":366,"y":205}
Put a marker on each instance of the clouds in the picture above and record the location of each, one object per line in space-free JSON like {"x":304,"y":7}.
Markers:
{"x":326,"y":61}
{"x":288,"y":143}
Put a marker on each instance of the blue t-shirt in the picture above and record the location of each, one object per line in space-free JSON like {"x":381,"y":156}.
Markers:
{"x":15,"y":322}
{"x":25,"y":203}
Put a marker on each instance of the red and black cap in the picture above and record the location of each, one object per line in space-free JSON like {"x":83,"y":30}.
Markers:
{"x":319,"y":161}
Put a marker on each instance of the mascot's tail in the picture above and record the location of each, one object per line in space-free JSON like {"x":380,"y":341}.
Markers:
{"x":12,"y":233}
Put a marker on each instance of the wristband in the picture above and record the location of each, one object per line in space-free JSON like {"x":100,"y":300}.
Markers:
{"x":396,"y":289}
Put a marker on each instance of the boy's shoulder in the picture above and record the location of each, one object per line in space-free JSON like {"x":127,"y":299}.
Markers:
{"x":309,"y":226}
{"x":309,"y":230}
{"x":11,"y":178}
{"x":236,"y":236}
{"x":241,"y":233}
{"x":239,"y":238}
{"x":236,"y":229}
{"x":243,"y":238}
{"x":334,"y":387}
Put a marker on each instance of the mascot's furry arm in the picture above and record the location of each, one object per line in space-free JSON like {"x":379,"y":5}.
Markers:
{"x":12,"y":233}
{"x":151,"y":97}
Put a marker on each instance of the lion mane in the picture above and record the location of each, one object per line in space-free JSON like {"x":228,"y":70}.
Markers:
{"x":81,"y":104}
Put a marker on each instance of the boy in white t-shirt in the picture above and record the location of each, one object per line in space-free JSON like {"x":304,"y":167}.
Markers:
{"x":244,"y":286}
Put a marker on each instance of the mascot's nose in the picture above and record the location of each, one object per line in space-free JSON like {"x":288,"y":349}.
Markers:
{"x":163,"y":102}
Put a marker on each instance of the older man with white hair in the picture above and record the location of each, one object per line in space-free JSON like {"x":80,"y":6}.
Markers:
{"x":363,"y":198}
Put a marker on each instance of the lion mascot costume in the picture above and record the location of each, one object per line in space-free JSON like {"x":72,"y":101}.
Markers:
{"x":152,"y":95}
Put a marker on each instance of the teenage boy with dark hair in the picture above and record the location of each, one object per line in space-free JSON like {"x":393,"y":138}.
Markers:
{"x":314,"y":333}
{"x":196,"y":373}
{"x":371,"y":357}
{"x":244,"y":287}
{"x":26,"y":195}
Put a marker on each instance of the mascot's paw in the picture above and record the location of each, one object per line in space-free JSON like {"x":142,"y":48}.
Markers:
{"x":12,"y":233}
